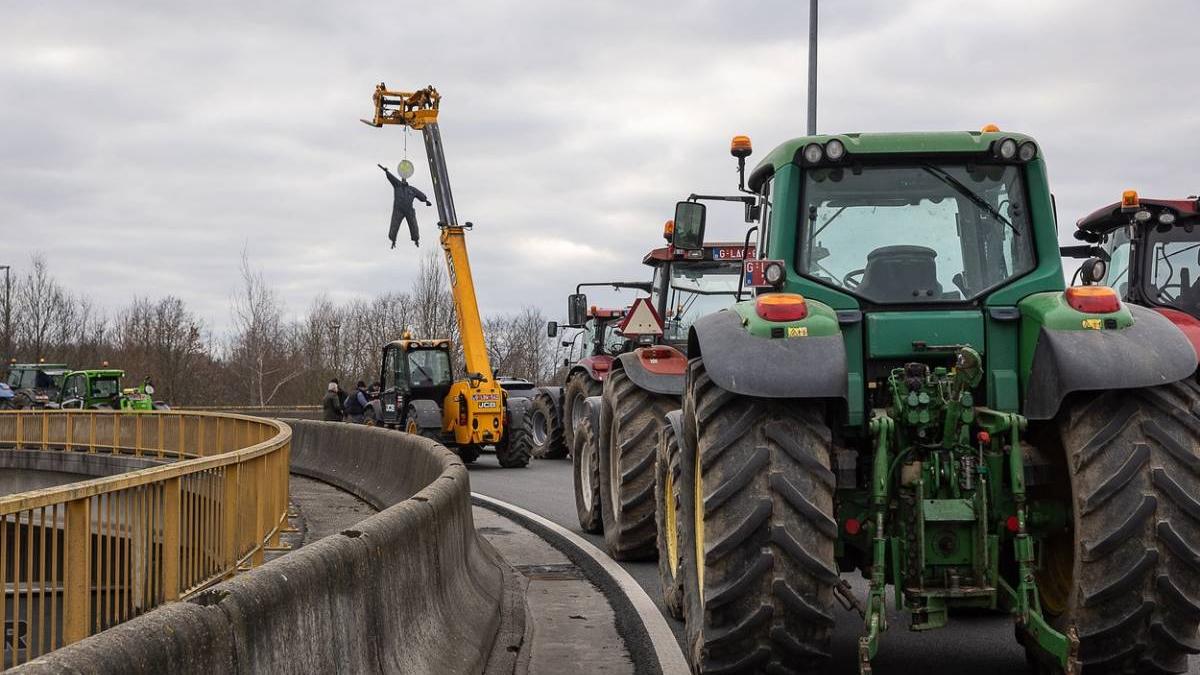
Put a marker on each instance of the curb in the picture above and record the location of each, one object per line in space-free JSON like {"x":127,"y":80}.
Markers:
{"x":651,"y":643}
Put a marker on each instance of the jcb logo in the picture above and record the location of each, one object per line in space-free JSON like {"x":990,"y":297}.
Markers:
{"x":797,"y":331}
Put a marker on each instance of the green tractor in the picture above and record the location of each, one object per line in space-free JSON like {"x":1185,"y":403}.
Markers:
{"x":101,"y":390}
{"x":915,"y":394}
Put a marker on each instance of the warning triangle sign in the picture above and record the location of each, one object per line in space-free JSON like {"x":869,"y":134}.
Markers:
{"x":641,"y":320}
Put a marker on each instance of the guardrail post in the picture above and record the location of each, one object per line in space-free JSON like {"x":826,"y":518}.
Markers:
{"x":170,"y":542}
{"x":77,"y":572}
{"x":260,"y":509}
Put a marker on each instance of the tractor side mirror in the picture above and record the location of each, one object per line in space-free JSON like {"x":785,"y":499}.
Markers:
{"x":689,"y":226}
{"x":551,"y":329}
{"x":1093,"y":271}
{"x":577,"y":309}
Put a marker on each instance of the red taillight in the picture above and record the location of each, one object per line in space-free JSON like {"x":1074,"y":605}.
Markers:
{"x":853,"y":527}
{"x":1012,"y":524}
{"x":462,"y":411}
{"x":781,"y":307}
{"x":1093,"y":299}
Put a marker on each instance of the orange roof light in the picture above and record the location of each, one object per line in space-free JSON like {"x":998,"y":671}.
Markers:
{"x":740,"y":146}
{"x":668,"y":230}
{"x":990,"y":127}
{"x":1130,"y":201}
{"x":1093,"y":299}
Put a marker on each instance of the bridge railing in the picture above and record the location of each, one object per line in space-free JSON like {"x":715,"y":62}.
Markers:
{"x":82,"y":557}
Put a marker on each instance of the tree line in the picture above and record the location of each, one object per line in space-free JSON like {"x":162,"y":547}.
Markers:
{"x":266,"y":357}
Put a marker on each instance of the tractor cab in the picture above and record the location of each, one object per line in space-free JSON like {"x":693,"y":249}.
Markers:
{"x":690,"y":284}
{"x":35,"y":385}
{"x":413,"y":370}
{"x":1148,"y":250}
{"x":92,"y":390}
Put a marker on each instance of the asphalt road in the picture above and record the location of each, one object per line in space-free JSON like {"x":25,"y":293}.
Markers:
{"x":980,"y":644}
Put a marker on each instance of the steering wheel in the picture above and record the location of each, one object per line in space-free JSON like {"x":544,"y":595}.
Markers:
{"x":853,"y":278}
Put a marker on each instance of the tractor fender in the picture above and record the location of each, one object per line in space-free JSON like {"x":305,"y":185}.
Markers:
{"x":597,"y":367}
{"x":1185,"y":322}
{"x":1150,"y":352}
{"x":515,"y":409}
{"x":801,"y":367}
{"x":555,"y":394}
{"x":657,"y":369}
{"x":427,"y":413}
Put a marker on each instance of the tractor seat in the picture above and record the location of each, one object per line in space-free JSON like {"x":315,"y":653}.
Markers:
{"x":901,"y":274}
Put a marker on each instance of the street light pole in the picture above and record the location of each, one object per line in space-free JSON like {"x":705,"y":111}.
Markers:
{"x":7,"y":310}
{"x":812,"y":67}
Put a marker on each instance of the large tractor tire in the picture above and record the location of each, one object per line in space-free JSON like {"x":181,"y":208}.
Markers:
{"x":585,"y":464}
{"x":515,"y":450}
{"x":757,"y":492}
{"x":579,"y":387}
{"x":666,"y":515}
{"x":627,"y":453}
{"x":467,"y":453}
{"x":1126,"y":576}
{"x":544,"y":425}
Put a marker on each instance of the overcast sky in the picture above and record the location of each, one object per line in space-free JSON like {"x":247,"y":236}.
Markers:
{"x":144,"y":144}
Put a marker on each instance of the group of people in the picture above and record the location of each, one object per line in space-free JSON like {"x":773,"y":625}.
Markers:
{"x":355,"y":407}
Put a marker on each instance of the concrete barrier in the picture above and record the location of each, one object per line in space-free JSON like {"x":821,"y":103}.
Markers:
{"x":408,"y":590}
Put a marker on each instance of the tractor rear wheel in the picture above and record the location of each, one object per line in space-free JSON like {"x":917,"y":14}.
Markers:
{"x":585,"y":465}
{"x":666,"y":516}
{"x":1127,"y":574}
{"x":545,"y":428}
{"x":757,"y":493}
{"x":579,"y":387}
{"x":514,"y":451}
{"x":627,"y":453}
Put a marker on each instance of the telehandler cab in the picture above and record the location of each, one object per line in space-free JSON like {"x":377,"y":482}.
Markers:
{"x":915,"y":394}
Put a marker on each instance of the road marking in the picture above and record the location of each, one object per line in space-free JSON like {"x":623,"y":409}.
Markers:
{"x":666,"y":649}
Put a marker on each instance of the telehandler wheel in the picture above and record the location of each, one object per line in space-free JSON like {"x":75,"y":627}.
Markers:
{"x":545,"y":427}
{"x":666,"y":516}
{"x":1128,"y":577}
{"x":579,"y":387}
{"x":585,"y":465}
{"x":515,"y":450}
{"x":627,"y":455}
{"x":757,"y":491}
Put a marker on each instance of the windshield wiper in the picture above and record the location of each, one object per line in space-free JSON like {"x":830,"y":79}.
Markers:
{"x":959,"y":187}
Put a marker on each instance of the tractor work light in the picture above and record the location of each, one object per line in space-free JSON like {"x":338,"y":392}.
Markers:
{"x":1130,"y":201}
{"x":835,"y":150}
{"x":1166,"y":218}
{"x":781,"y":307}
{"x":1005,"y":149}
{"x":740,"y":147}
{"x":1142,"y":216}
{"x":775,"y":274}
{"x":1093,"y":299}
{"x":1027,"y":151}
{"x":813,"y":153}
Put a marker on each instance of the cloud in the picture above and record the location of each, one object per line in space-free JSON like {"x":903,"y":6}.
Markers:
{"x":142,"y":146}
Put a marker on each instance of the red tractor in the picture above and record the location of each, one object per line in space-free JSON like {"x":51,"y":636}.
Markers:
{"x":1149,"y":251}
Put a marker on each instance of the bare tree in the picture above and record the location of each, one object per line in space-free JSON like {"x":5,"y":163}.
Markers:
{"x":261,"y":347}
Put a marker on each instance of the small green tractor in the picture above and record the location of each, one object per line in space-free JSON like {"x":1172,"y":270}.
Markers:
{"x":101,"y":390}
{"x":915,"y":394}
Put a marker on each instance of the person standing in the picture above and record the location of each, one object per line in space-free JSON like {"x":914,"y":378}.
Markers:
{"x":403,"y":195}
{"x":331,"y":405}
{"x":356,"y":403}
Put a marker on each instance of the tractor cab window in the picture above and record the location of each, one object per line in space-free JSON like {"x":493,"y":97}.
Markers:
{"x":105,"y":387}
{"x":429,"y":367}
{"x":698,"y":288}
{"x":75,"y":387}
{"x":391,"y":368}
{"x":915,"y":233}
{"x":611,"y":339}
{"x":1174,"y":275}
{"x":1117,"y":275}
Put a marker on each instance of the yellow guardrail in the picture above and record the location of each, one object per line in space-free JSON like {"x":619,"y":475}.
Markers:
{"x":82,"y":557}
